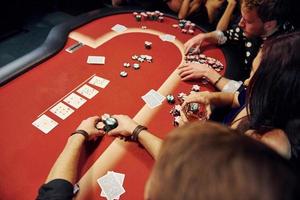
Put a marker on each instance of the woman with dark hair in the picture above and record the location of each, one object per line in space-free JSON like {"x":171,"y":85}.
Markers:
{"x":270,"y":112}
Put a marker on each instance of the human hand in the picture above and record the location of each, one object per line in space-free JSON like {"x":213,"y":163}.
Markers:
{"x":190,"y":71}
{"x":125,"y":127}
{"x":89,"y":125}
{"x":201,"y":98}
{"x":195,"y":42}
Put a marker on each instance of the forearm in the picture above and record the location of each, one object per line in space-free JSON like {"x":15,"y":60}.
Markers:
{"x":222,"y":98}
{"x":66,"y":165}
{"x":184,"y":9}
{"x":151,"y":143}
{"x":225,"y":19}
{"x":214,"y":78}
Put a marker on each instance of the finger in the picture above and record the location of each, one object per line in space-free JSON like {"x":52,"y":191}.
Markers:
{"x":183,"y":116}
{"x":186,"y":72}
{"x":208,"y":111}
{"x":196,"y":50}
{"x":188,"y":77}
{"x":187,"y":48}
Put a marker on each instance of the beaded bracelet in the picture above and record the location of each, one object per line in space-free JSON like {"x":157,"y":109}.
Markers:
{"x":82,"y":132}
{"x":136,"y":132}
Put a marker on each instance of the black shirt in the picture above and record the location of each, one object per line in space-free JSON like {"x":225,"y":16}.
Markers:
{"x":57,"y":189}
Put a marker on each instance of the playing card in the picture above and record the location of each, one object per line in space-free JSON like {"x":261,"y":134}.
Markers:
{"x":110,"y":186}
{"x":120,"y":178}
{"x":45,"y":123}
{"x":75,"y":100}
{"x":119,"y":28}
{"x":151,"y":101}
{"x":99,"y":82}
{"x":96,"y":60}
{"x":87,"y":91}
{"x":157,"y":95}
{"x":167,"y":37}
{"x":62,"y":110}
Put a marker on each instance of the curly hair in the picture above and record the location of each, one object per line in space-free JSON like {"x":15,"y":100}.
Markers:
{"x":268,"y":10}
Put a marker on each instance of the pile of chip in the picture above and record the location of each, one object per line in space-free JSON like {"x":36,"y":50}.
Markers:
{"x":152,"y":16}
{"x":142,"y":58}
{"x":193,"y":111}
{"x":203,"y":59}
{"x":185,"y":26}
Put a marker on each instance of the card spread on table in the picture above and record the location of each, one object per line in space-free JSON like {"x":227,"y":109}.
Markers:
{"x":111,"y":185}
{"x":99,"y":82}
{"x":120,"y":177}
{"x":62,"y":110}
{"x":96,"y":60}
{"x":167,"y":37}
{"x":75,"y":100}
{"x":119,"y":28}
{"x":87,"y":91}
{"x":45,"y":123}
{"x":153,"y":98}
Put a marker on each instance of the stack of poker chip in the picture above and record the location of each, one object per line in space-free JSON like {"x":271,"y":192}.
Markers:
{"x":152,"y":16}
{"x":193,"y":111}
{"x":142,"y":58}
{"x":148,"y":45}
{"x":203,"y":59}
{"x":185,"y":26}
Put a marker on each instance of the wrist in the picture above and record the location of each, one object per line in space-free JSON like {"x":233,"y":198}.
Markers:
{"x":135,"y":134}
{"x":80,"y":133}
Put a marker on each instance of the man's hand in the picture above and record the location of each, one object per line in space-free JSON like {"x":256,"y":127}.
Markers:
{"x":89,"y":125}
{"x":191,"y":71}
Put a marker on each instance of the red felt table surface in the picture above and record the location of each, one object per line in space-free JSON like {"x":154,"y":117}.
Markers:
{"x":27,"y":154}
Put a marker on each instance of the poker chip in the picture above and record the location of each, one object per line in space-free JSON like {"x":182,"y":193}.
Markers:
{"x":136,"y":66}
{"x":175,"y":25}
{"x":148,"y":45}
{"x":170,"y":99}
{"x":191,"y":32}
{"x":138,"y":18}
{"x":123,"y":74}
{"x":110,"y":123}
{"x":127,"y":65}
{"x":193,"y":108}
{"x":134,"y":57}
{"x":144,"y":27}
{"x":177,"y":121}
{"x":196,"y":88}
{"x":183,"y":30}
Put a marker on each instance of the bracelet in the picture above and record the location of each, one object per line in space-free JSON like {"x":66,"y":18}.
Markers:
{"x":218,"y":80}
{"x":136,"y":132}
{"x":82,"y":132}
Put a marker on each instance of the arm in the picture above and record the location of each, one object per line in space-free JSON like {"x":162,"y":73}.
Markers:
{"x":66,"y":165}
{"x":126,"y":127}
{"x":225,"y":19}
{"x":213,"y":98}
{"x":192,"y":71}
{"x":196,"y":41}
{"x":194,"y":6}
{"x":184,"y":9}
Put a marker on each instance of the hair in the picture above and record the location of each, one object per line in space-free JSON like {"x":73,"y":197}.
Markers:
{"x":268,"y":10}
{"x":208,"y":161}
{"x":274,"y":90}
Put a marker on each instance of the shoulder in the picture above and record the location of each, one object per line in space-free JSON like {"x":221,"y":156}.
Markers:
{"x":275,"y":139}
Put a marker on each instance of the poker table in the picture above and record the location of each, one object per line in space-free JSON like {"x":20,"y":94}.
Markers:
{"x":32,"y":85}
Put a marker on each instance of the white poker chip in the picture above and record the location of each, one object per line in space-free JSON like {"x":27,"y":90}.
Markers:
{"x":127,"y":65}
{"x":123,"y":74}
{"x":136,"y":66}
